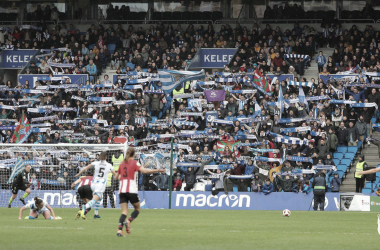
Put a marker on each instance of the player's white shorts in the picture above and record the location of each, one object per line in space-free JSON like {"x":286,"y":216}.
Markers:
{"x":98,"y":188}
{"x":41,"y":211}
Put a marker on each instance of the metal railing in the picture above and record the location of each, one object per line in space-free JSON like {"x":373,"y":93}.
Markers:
{"x":154,"y":21}
{"x":18,"y":22}
{"x":264,"y":21}
{"x":358,"y":20}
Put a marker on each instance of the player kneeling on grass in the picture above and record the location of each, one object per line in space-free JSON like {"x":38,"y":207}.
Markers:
{"x":128,"y":191}
{"x":98,"y":183}
{"x":37,"y":207}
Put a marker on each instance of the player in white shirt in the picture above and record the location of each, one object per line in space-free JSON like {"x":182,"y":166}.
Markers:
{"x":37,"y":207}
{"x":98,"y":183}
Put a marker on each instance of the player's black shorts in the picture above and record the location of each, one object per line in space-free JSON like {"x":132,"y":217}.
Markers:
{"x":85,"y":192}
{"x":125,"y":197}
{"x":16,"y":188}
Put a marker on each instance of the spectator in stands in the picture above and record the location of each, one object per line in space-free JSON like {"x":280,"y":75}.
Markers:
{"x":267,"y":187}
{"x":286,"y":184}
{"x":162,"y":182}
{"x":353,"y":134}
{"x":321,"y":61}
{"x":256,"y":184}
{"x":342,"y":135}
{"x":335,"y":183}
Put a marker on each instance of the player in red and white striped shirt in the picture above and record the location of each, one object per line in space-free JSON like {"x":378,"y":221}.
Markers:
{"x":128,"y":188}
{"x":84,"y":190}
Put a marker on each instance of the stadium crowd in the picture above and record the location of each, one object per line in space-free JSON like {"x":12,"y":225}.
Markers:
{"x":311,"y":130}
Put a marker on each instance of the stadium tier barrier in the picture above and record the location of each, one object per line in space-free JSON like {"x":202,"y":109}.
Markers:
{"x":196,"y":200}
{"x":339,"y":76}
{"x":32,"y":78}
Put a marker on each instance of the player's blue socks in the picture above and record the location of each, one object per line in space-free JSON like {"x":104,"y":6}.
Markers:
{"x":31,"y":217}
{"x":89,"y":204}
{"x":51,"y":218}
{"x":97,"y":205}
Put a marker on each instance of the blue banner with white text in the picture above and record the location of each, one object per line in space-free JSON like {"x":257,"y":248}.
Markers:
{"x":212,"y":58}
{"x":284,"y":77}
{"x":191,"y":200}
{"x":68,"y":199}
{"x":16,"y":59}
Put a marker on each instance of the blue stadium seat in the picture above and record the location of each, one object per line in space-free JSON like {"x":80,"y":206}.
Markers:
{"x":131,"y":65}
{"x":342,"y":167}
{"x":235,"y":188}
{"x":338,"y":155}
{"x":352,"y":149}
{"x":373,"y":120}
{"x":336,"y":161}
{"x":111,"y":47}
{"x":366,"y":191}
{"x":341,"y":149}
{"x":91,"y":46}
{"x":346,"y":162}
{"x":340,"y":174}
{"x":369,"y":185}
{"x":350,"y":156}
{"x":359,"y":145}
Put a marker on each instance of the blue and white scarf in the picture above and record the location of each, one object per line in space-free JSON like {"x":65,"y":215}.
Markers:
{"x":299,"y":158}
{"x":266,"y":159}
{"x":275,"y":151}
{"x":334,"y":101}
{"x":291,"y":141}
{"x":127,"y":102}
{"x":290,"y":120}
{"x":245,"y":91}
{"x":191,"y":114}
{"x":78,"y":98}
{"x":186,"y":123}
{"x":302,"y":84}
{"x":220,"y":121}
{"x":46,"y":118}
{"x":101,"y":99}
{"x":364,"y":105}
{"x":295,"y":130}
{"x":7,"y":107}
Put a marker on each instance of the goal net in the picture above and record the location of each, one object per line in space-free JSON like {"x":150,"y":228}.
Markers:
{"x":53,"y":169}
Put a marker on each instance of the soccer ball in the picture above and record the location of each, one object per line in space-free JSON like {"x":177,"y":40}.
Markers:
{"x":286,"y":212}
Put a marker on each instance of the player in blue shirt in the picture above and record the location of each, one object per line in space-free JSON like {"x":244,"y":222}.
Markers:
{"x":37,"y":207}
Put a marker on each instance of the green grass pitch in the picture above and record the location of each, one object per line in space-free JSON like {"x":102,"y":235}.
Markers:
{"x":193,"y":230}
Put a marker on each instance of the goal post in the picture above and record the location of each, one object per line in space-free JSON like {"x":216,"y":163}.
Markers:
{"x":53,"y":166}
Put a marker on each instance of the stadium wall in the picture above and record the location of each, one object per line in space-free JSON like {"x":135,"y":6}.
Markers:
{"x":195,"y":200}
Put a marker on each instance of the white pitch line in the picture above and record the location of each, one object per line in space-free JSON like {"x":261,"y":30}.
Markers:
{"x":252,"y":231}
{"x":29,"y":227}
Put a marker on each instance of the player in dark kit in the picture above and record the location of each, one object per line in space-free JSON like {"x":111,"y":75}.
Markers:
{"x":21,"y":182}
{"x":85,"y":192}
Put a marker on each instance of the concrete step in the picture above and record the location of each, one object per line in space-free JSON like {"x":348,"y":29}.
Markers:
{"x":347,"y":188}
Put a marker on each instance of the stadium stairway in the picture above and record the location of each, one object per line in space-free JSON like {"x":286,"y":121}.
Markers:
{"x":312,"y":71}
